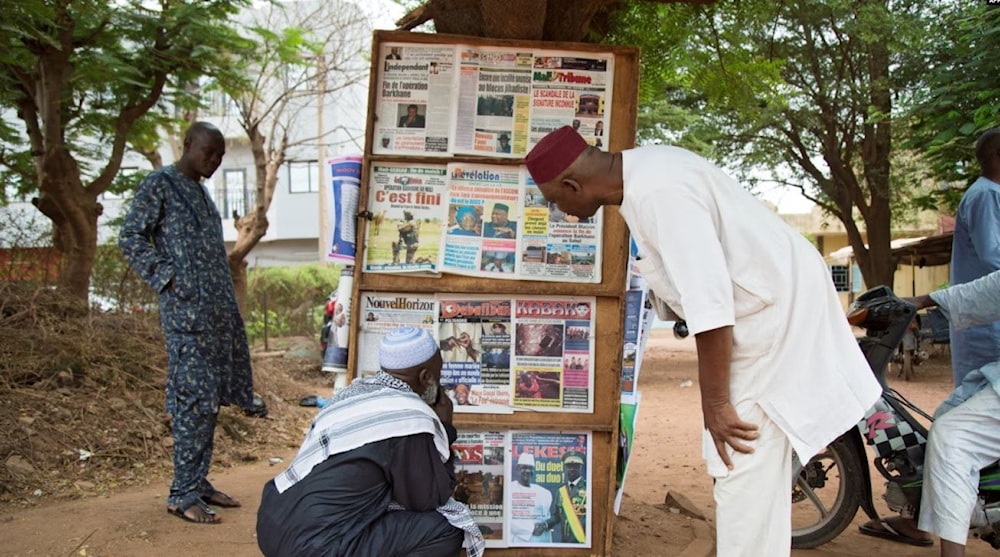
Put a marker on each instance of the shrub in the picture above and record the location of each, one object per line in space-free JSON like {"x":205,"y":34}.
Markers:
{"x":292,"y":298}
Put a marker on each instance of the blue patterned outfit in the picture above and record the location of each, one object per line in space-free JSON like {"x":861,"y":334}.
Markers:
{"x":173,"y":231}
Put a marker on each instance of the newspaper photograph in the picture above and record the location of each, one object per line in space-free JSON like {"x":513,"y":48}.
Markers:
{"x":553,"y":347}
{"x":493,"y":108}
{"x":475,"y":340}
{"x":480,"y":467}
{"x":382,"y":312}
{"x":415,"y":102}
{"x":547,"y":497}
{"x":555,"y":245}
{"x":482,"y":220}
{"x":407,"y":204}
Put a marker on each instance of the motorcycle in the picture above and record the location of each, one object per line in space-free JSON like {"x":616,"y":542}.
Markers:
{"x":828,"y":490}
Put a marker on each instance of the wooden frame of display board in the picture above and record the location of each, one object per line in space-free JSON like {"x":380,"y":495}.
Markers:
{"x":609,"y":293}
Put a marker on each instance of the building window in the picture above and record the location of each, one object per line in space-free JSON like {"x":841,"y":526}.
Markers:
{"x":841,"y":277}
{"x":219,"y":104}
{"x":301,"y":176}
{"x":233,"y":198}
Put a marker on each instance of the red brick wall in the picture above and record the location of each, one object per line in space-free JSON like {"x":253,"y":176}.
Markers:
{"x":29,"y":264}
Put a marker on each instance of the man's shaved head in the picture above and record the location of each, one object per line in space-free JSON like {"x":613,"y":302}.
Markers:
{"x":200,"y":130}
{"x":988,"y":150}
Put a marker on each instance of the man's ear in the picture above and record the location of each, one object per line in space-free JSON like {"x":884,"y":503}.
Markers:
{"x":572,"y":184}
{"x":424,"y":376}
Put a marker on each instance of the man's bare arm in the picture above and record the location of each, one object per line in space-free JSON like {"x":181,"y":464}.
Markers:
{"x":715,"y":352}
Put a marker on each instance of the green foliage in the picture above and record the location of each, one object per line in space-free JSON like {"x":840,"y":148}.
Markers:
{"x":270,"y":323}
{"x":292,"y":298}
{"x":798,"y":93}
{"x":959,"y":97}
{"x":127,"y":67}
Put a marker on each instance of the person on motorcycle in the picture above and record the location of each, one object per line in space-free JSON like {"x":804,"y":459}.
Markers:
{"x":778,"y":366}
{"x":965,"y":435}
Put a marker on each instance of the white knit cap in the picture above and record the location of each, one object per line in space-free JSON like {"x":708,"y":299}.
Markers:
{"x":526,"y":460}
{"x":406,"y":347}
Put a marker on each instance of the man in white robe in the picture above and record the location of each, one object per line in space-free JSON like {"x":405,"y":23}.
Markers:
{"x":779,"y":368}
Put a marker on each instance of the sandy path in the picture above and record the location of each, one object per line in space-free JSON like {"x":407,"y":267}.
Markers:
{"x":667,"y":457}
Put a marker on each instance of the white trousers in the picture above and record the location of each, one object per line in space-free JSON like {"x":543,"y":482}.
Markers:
{"x":754,"y":500}
{"x":961,"y":442}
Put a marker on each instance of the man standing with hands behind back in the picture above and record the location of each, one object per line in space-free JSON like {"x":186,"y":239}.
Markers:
{"x":778,"y":366}
{"x":172,"y":237}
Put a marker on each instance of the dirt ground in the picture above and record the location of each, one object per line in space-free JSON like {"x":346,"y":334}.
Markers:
{"x":133,"y":521}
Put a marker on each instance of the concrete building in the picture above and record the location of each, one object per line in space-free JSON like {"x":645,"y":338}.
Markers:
{"x":911,"y":277}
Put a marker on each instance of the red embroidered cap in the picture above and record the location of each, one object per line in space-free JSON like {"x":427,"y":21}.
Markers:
{"x":554,"y":154}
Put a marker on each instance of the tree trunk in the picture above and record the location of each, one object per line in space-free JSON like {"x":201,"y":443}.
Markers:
{"x":74,"y":212}
{"x":252,"y":227}
{"x":548,"y":20}
{"x":876,"y":150}
{"x":238,"y":270}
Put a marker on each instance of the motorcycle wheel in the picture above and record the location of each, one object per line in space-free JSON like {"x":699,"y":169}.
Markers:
{"x":825,"y":495}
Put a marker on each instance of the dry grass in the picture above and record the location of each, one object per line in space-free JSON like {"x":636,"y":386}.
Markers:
{"x":81,"y":401}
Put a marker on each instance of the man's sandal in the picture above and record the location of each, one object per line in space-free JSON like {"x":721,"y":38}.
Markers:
{"x":883,"y":529}
{"x":220,"y":499}
{"x":204,"y":515}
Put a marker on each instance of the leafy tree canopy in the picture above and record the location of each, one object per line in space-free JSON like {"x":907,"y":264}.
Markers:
{"x":809,"y":94}
{"x":88,"y":76}
{"x":959,"y":98}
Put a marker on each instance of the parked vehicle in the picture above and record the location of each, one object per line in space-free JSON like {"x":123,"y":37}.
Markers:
{"x":828,"y":490}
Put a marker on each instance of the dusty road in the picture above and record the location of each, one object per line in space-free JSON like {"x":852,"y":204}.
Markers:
{"x":135,"y":523}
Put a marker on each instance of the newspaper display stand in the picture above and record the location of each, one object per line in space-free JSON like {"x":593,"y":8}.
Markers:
{"x":390,"y":140}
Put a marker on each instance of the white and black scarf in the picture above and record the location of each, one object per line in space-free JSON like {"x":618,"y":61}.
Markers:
{"x":370,"y":410}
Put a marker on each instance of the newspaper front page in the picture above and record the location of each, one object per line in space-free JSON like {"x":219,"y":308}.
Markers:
{"x":407,"y":204}
{"x":493,"y":106}
{"x":480,"y":476}
{"x":415,"y":102}
{"x":553,"y":354}
{"x":382,"y":312}
{"x":474,"y":335}
{"x":548,"y":502}
{"x":555,"y":245}
{"x":482,"y":223}
{"x":572,"y":89}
